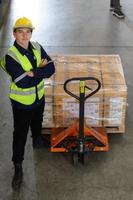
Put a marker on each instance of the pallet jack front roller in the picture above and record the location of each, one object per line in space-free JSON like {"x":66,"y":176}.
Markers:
{"x":79,"y":138}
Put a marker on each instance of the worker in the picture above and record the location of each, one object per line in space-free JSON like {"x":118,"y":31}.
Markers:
{"x":116,"y":10}
{"x":27,"y":64}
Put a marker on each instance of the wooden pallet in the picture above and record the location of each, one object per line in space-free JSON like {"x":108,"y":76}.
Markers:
{"x":109,"y":129}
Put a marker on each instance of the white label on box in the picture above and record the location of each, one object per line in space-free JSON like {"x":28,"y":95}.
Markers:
{"x":47,"y":99}
{"x":91,"y":110}
{"x":70,"y":105}
{"x":48,"y":106}
{"x":48,"y":116}
{"x":47,"y":123}
{"x":116,"y":108}
{"x":92,"y":113}
{"x":93,"y":99}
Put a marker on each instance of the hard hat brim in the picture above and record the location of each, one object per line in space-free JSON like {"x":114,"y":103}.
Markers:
{"x":18,"y":27}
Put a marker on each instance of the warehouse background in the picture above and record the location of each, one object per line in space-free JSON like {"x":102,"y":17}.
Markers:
{"x":70,"y":27}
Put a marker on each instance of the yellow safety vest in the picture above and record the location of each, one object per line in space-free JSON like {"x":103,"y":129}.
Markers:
{"x":26,"y":96}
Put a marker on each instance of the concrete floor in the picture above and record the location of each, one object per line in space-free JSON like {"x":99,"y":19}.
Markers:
{"x":71,"y":27}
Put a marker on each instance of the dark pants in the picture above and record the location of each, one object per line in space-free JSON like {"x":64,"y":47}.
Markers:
{"x":115,"y":4}
{"x":23,"y":119}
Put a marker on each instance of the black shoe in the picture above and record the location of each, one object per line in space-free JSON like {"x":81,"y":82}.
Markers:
{"x":18,"y":177}
{"x":112,"y":8}
{"x":118,"y":14}
{"x":40,"y":142}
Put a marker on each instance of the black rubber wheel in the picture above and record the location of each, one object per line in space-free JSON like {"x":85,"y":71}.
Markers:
{"x":84,"y":158}
{"x":75,"y":159}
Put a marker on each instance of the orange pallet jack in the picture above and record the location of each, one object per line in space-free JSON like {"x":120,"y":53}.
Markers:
{"x":79,"y":138}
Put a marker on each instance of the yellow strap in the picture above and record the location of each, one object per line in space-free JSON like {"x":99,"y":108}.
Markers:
{"x":82,"y":86}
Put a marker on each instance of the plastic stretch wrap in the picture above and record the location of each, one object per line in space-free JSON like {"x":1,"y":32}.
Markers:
{"x":106,"y":108}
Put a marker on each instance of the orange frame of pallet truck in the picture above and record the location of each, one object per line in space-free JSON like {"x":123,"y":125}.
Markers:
{"x":59,"y":136}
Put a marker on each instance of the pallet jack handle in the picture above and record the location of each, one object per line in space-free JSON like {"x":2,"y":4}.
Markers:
{"x":82,"y":86}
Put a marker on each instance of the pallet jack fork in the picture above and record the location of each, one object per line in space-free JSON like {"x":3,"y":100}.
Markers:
{"x":80,"y":138}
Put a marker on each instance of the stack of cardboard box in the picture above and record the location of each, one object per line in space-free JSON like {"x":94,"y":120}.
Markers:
{"x":106,"y":108}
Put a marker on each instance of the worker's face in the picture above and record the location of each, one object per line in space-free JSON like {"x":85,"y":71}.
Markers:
{"x":23,"y":36}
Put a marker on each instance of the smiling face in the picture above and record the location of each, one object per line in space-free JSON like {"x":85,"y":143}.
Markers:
{"x":23,"y":36}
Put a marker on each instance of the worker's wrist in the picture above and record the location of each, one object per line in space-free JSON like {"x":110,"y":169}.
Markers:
{"x":30,"y":73}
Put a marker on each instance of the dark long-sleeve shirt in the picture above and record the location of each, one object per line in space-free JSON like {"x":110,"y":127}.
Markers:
{"x":15,"y":70}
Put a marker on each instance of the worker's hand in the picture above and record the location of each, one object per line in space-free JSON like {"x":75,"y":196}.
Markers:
{"x":43,"y":62}
{"x":30,"y":73}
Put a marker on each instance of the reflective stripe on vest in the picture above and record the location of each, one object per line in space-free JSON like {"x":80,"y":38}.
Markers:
{"x":20,"y":77}
{"x":25,"y":93}
{"x":37,"y":46}
{"x":2,"y":63}
{"x":13,"y":55}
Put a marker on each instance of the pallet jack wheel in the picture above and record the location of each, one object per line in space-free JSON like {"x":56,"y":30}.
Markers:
{"x":84,"y":158}
{"x":75,"y":159}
